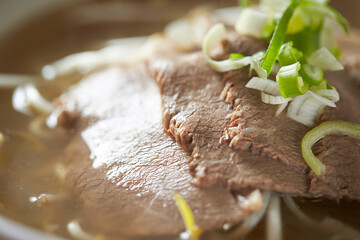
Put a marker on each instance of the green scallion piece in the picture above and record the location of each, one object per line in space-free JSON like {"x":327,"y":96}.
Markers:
{"x":244,"y":3}
{"x":323,"y":85}
{"x":312,"y":75}
{"x":278,"y":37}
{"x":235,"y":56}
{"x":289,"y":55}
{"x":313,"y":7}
{"x":290,"y":83}
{"x":307,"y":41}
{"x":317,"y":133}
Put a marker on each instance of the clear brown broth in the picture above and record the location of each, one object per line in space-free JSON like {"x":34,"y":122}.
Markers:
{"x":26,"y":171}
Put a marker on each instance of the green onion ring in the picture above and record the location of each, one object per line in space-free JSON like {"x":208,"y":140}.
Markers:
{"x":290,"y":83}
{"x":317,"y":133}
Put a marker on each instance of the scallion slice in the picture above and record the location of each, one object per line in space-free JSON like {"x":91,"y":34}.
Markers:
{"x":214,"y":36}
{"x":312,"y":75}
{"x":252,"y":22}
{"x":322,"y":85}
{"x":289,"y":55}
{"x":244,"y":3}
{"x":290,"y":83}
{"x":273,"y":100}
{"x":264,"y":85}
{"x":317,"y":133}
{"x":324,"y":59}
{"x":330,"y":94}
{"x":278,"y":37}
{"x":313,"y":7}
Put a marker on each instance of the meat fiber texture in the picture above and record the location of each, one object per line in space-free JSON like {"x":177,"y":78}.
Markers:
{"x":124,"y":167}
{"x":235,"y":139}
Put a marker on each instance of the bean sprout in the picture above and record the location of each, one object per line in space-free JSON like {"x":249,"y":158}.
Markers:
{"x":250,"y":223}
{"x":273,"y":219}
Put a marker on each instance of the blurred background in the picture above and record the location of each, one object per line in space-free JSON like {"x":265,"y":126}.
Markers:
{"x":36,"y":32}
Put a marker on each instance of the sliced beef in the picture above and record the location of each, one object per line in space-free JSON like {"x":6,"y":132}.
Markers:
{"x":236,"y":139}
{"x":341,"y":154}
{"x":254,"y":126}
{"x":195,"y":115}
{"x":126,"y":169}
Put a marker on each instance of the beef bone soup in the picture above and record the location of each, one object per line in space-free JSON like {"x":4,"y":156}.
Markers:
{"x":115,"y":143}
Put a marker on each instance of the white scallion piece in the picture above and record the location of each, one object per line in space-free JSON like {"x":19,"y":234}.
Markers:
{"x":252,"y":22}
{"x":26,"y":98}
{"x":186,"y":33}
{"x":274,"y":100}
{"x":275,"y":7}
{"x":305,"y":108}
{"x":14,"y":80}
{"x":264,"y":85}
{"x":330,"y":225}
{"x":273,"y":219}
{"x":251,"y":222}
{"x":180,"y":31}
{"x":214,"y":36}
{"x":228,"y":16}
{"x":330,"y":94}
{"x":322,"y":100}
{"x":281,"y":108}
{"x":324,"y":59}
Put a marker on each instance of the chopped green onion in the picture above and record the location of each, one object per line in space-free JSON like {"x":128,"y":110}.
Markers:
{"x":324,"y":59}
{"x":297,"y":23}
{"x":307,"y":41}
{"x":235,"y":56}
{"x":268,"y":30}
{"x":305,"y":108}
{"x":252,"y":22}
{"x":311,"y":14}
{"x":278,"y":37}
{"x":273,"y":100}
{"x":330,"y":94}
{"x":321,"y":99}
{"x":321,"y":86}
{"x":187,"y":216}
{"x":312,"y":75}
{"x":290,"y":83}
{"x":326,"y":128}
{"x":215,"y":35}
{"x":264,"y":85}
{"x":289,"y":55}
{"x":316,"y":8}
{"x":244,"y":3}
{"x":274,"y":7}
